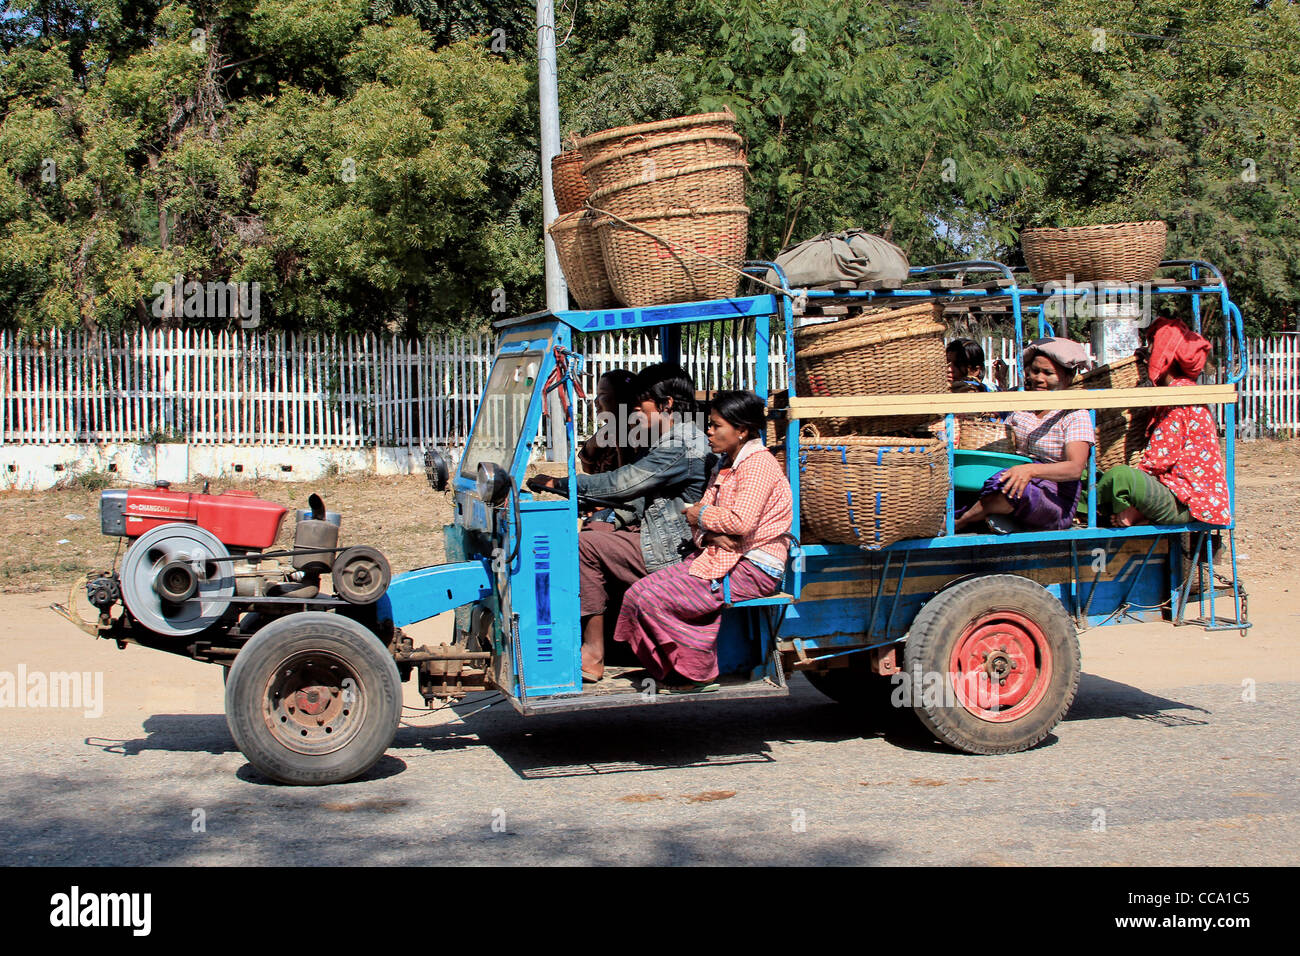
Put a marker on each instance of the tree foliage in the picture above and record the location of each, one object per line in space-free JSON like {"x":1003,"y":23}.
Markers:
{"x":374,"y":163}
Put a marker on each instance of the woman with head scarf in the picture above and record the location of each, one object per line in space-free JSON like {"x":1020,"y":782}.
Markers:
{"x":1182,"y":475}
{"x":1042,"y":494}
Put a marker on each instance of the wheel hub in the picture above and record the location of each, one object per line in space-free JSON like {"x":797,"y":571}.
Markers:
{"x":1000,"y":666}
{"x":313,"y":703}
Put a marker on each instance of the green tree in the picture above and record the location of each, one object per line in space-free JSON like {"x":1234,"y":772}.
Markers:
{"x":1186,"y":112}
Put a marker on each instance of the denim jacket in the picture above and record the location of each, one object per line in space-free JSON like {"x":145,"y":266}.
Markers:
{"x":671,"y":475}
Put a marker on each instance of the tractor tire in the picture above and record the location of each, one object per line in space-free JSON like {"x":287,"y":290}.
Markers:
{"x":992,"y":664}
{"x":313,"y":698}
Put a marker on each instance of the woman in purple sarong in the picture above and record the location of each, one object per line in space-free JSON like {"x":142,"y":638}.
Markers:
{"x":1040,"y":495}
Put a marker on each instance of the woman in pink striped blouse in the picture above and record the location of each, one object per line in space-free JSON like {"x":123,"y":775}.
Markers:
{"x":671,"y":618}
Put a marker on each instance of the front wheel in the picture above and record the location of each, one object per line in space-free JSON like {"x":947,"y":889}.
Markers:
{"x":313,"y":698}
{"x":992,"y":664}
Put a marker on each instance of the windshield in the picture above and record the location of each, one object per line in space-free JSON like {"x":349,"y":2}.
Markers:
{"x":503,"y":412}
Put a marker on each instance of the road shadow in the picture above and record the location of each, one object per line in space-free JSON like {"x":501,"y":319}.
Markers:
{"x":649,"y":739}
{"x":374,"y":827}
{"x":185,"y":733}
{"x":1100,"y":698}
{"x":386,"y":766}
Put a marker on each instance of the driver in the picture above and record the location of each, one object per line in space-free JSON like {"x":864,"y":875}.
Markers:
{"x":654,"y":490}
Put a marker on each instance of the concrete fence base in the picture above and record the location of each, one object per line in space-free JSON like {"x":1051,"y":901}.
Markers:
{"x":37,"y":467}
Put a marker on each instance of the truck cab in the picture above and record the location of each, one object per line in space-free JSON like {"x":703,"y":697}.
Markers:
{"x":512,"y":557}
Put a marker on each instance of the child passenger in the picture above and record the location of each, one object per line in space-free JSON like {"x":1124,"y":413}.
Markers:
{"x":1040,"y":495}
{"x":671,"y":618}
{"x":966,"y":366}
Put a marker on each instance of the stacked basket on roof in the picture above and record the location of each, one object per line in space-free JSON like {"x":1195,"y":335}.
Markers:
{"x":1126,"y":252}
{"x":652,"y":214}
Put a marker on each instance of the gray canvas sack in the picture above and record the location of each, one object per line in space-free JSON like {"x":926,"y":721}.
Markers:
{"x":852,"y":256}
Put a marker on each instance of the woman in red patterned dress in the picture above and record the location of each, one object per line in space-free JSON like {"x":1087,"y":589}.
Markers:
{"x":671,"y":618}
{"x":1181,"y":476}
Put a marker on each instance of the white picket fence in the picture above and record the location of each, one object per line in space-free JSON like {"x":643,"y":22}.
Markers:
{"x":246,"y":388}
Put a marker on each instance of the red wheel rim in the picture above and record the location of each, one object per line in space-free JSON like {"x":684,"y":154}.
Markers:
{"x":1001,"y":666}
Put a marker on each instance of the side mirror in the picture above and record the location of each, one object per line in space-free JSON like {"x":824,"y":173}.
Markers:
{"x":436,"y":469}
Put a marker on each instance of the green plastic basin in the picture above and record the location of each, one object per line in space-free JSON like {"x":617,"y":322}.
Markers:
{"x":970,"y":469}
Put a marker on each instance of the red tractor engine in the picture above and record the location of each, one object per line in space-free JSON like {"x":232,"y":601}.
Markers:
{"x":239,"y":519}
{"x":197,"y":560}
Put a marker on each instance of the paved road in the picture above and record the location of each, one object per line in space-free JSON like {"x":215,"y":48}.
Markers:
{"x":1189,"y":774}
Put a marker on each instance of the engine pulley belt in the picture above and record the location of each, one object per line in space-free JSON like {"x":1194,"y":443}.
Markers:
{"x":314,"y":602}
{"x":267,"y":555}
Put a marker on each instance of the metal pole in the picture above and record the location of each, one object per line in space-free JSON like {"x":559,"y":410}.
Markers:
{"x":557,"y":295}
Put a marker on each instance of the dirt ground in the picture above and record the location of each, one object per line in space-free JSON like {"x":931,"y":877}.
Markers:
{"x":1162,"y":738}
{"x":52,"y":538}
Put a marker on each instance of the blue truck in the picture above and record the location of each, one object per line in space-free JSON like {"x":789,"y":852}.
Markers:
{"x":975,"y":633}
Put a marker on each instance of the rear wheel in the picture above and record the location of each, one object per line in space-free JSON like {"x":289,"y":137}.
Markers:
{"x":992,"y":664}
{"x":313,"y":698}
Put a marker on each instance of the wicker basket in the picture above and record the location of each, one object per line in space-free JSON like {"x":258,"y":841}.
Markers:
{"x":660,"y":155}
{"x":567,"y":182}
{"x":1121,"y":432}
{"x":984,"y":434}
{"x":893,"y":352}
{"x":621,"y":153}
{"x":1125,"y":252}
{"x":1121,"y":436}
{"x":870,"y":491}
{"x":676,"y":255}
{"x":719,"y":183}
{"x":1130,"y":372}
{"x":577,"y":244}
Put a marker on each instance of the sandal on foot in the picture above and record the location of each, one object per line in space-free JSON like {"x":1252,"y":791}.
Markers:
{"x":588,"y":679}
{"x":702,"y":688}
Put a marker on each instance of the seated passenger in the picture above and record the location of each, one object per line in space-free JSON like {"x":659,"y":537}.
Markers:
{"x":609,"y":449}
{"x":966,"y":366}
{"x":655,"y":490}
{"x":1040,"y":495}
{"x":1181,"y":475}
{"x":671,"y":618}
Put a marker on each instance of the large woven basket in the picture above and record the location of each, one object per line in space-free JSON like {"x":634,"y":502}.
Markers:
{"x":1125,"y":252}
{"x":1121,"y":436}
{"x":984,"y":434}
{"x":622,"y":152}
{"x":567,"y":182}
{"x":676,"y":255}
{"x":892,"y":352}
{"x":1129,"y":372}
{"x":1121,"y":432}
{"x":720,"y":183}
{"x":577,"y":244}
{"x":659,"y":155}
{"x":870,"y":491}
